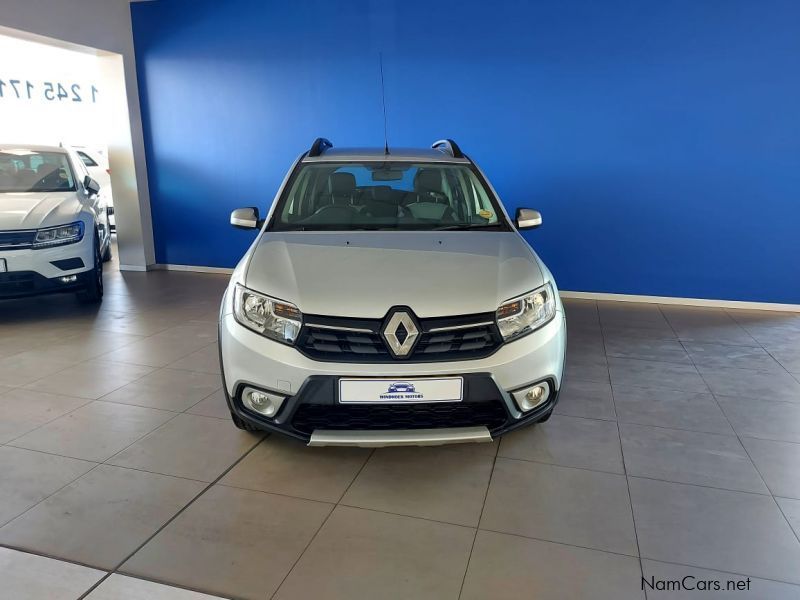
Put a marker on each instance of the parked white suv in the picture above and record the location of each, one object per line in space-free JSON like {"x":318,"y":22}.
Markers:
{"x":54,"y":234}
{"x":389,"y":299}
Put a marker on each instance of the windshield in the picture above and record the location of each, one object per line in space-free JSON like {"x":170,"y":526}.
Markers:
{"x":24,"y":170}
{"x":386,"y":195}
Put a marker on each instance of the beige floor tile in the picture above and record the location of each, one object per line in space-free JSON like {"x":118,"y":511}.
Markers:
{"x":746,"y":383}
{"x":752,"y":589}
{"x":156,"y":351}
{"x":425,"y":482}
{"x":27,"y":478}
{"x":120,"y":587}
{"x":231,"y":542}
{"x":507,"y":567}
{"x":92,"y":379}
{"x":569,"y":442}
{"x":23,"y":368}
{"x":778,"y":463}
{"x":791,"y":510}
{"x":654,"y":374}
{"x":96,"y":431}
{"x":560,"y":504}
{"x":214,"y":405}
{"x":167,"y":389}
{"x":714,"y":529}
{"x":763,"y":419}
{"x":285,"y":466}
{"x":693,"y":411}
{"x":188,"y":446}
{"x":29,"y":577}
{"x":725,"y":355}
{"x":588,"y":399}
{"x":689,"y":457}
{"x":102,"y":517}
{"x":205,"y":360}
{"x":24,"y":410}
{"x":366,"y":554}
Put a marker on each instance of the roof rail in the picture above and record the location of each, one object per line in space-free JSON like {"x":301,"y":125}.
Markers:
{"x":319,"y":146}
{"x":449,"y":146}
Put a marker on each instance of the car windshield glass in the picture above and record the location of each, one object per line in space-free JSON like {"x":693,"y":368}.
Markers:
{"x":23,"y":170}
{"x":386,"y":195}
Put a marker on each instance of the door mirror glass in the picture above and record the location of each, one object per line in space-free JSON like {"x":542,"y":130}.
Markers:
{"x":91,"y":186}
{"x":245,"y":218}
{"x":527,"y":218}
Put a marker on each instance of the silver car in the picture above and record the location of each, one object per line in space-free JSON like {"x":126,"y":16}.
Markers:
{"x":389,"y":299}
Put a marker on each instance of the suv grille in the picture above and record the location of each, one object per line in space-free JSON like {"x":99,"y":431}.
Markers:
{"x":309,"y":417}
{"x":16,"y":240}
{"x":359,"y":340}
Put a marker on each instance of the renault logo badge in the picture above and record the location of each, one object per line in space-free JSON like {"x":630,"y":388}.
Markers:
{"x":401,"y":332}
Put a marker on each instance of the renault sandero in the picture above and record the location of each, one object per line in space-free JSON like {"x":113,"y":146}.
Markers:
{"x":389,"y":299}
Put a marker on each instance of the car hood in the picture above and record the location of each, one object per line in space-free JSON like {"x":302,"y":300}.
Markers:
{"x":363,"y":274}
{"x":31,"y":210}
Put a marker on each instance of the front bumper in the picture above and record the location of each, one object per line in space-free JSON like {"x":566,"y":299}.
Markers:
{"x":310,"y":387}
{"x":38,"y":271}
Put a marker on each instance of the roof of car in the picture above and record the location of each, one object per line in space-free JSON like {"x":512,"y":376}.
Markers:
{"x":32,"y":148}
{"x":395,"y":154}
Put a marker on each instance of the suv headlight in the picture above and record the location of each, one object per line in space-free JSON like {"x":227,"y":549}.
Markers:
{"x":527,"y":313}
{"x":57,"y":236}
{"x":272,"y":318}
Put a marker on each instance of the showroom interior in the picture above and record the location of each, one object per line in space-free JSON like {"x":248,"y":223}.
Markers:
{"x":659,"y":142}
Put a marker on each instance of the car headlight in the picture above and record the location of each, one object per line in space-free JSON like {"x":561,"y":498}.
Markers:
{"x":527,"y":313}
{"x":56,"y":236}
{"x":273,"y":318}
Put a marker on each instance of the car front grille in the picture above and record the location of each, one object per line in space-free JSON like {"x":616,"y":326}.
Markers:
{"x":310,"y":417}
{"x":359,"y":340}
{"x":16,"y":240}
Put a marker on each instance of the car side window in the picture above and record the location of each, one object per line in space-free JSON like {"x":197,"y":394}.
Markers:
{"x":86,"y":159}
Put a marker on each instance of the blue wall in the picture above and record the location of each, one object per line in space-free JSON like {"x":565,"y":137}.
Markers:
{"x":660,"y":140}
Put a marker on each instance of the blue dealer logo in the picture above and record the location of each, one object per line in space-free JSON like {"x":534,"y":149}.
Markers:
{"x":401,"y":390}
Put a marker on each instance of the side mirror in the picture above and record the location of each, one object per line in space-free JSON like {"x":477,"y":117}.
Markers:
{"x":91,"y":186}
{"x":527,"y":218}
{"x":245,"y":218}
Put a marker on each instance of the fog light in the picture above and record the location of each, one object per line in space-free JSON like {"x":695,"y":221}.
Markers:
{"x":529,"y":398}
{"x":68,"y":279}
{"x":264,"y":403}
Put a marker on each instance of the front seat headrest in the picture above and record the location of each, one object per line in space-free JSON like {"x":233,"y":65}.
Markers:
{"x":343,"y":184}
{"x":428,"y":180}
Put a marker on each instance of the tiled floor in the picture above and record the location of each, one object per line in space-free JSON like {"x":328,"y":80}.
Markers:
{"x":674,"y":451}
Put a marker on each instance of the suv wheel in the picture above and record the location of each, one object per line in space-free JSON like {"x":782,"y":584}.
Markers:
{"x":93,"y":293}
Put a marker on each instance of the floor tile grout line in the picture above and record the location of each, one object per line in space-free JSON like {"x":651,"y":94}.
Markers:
{"x":316,"y":533}
{"x":30,"y":508}
{"x":736,"y":573}
{"x":14,"y":439}
{"x":622,"y":457}
{"x":752,"y":462}
{"x":173,"y":517}
{"x":477,"y":527}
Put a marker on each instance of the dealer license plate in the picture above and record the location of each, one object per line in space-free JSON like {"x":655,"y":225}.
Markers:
{"x":401,"y":391}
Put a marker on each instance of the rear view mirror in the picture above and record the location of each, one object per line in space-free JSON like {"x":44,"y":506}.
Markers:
{"x":245,"y":218}
{"x":527,"y":218}
{"x":91,"y":186}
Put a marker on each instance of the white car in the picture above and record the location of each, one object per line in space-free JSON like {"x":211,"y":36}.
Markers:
{"x":390,"y":299}
{"x":54,"y":231}
{"x":96,"y":162}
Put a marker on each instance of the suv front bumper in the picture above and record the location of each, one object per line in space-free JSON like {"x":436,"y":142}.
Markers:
{"x":311,"y":411}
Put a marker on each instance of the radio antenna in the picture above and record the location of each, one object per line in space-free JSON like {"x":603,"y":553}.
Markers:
{"x":383,"y":100}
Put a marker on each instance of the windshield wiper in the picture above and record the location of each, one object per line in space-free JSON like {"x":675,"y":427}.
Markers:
{"x":466,"y":226}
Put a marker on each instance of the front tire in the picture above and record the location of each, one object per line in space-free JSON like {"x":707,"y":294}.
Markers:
{"x":93,"y":292}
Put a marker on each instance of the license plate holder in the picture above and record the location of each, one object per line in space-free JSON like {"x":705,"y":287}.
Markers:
{"x":415,"y":390}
